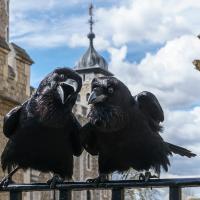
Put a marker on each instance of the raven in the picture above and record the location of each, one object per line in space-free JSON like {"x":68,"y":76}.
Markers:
{"x":43,"y":132}
{"x":123,"y":130}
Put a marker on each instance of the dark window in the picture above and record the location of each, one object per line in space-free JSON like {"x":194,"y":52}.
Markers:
{"x":79,"y":97}
{"x":88,"y":161}
{"x":88,"y":195}
{"x":87,"y":96}
{"x":84,"y":110}
{"x":11,"y":73}
{"x":7,"y":34}
{"x":83,"y":77}
{"x":7,"y":7}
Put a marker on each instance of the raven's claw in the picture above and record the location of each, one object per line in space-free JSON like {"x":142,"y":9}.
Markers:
{"x":54,"y":181}
{"x":99,"y":179}
{"x":147,"y":176}
{"x":5,"y":182}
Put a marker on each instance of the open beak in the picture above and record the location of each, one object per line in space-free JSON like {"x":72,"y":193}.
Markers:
{"x":63,"y":95}
{"x":94,"y":98}
{"x":70,"y":82}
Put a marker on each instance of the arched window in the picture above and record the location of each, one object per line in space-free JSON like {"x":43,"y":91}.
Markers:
{"x":88,"y":195}
{"x":7,"y":33}
{"x":84,"y":110}
{"x":88,"y":161}
{"x":87,"y":96}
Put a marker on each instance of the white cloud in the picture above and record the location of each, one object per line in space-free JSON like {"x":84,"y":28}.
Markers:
{"x":38,"y":5}
{"x":156,"y":21}
{"x":131,"y":21}
{"x":169,"y":73}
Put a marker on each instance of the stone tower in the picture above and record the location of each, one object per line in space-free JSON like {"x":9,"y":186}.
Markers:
{"x":91,"y":65}
{"x":14,"y":76}
{"x":4,"y":19}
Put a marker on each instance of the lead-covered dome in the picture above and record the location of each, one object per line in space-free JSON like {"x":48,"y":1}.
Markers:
{"x":92,"y":58}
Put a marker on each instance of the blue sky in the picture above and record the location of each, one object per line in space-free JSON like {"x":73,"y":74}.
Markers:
{"x":149,"y":45}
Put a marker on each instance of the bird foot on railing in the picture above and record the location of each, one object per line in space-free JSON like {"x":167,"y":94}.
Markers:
{"x":99,"y":179}
{"x":5,"y":182}
{"x":147,"y":176}
{"x":56,"y":179}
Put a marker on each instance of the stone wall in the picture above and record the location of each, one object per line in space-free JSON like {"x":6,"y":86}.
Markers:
{"x":4,"y":18}
{"x":17,"y":90}
{"x":12,"y":93}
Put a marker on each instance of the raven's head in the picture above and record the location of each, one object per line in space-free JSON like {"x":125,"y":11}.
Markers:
{"x":57,"y":92}
{"x":110,"y":100}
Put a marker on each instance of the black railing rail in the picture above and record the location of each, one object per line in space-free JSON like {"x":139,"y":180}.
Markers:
{"x":117,"y":187}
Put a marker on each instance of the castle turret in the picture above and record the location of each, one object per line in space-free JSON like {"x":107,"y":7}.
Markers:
{"x":92,"y":64}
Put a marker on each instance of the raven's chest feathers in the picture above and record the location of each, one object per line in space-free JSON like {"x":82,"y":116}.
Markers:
{"x":41,"y":148}
{"x":125,"y":144}
{"x":107,"y":118}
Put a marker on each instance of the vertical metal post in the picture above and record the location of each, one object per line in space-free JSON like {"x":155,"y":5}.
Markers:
{"x":15,"y":195}
{"x":65,"y":195}
{"x":174,"y":193}
{"x":118,"y":194}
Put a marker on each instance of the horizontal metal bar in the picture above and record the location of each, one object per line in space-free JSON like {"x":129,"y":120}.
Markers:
{"x":181,"y":182}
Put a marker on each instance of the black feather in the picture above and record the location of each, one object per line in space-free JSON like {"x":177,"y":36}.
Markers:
{"x":180,"y":150}
{"x":124,"y":130}
{"x":43,"y":133}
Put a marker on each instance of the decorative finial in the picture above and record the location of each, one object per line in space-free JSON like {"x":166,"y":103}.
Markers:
{"x":91,"y":35}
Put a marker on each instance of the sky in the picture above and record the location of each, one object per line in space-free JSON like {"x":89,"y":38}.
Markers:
{"x":149,"y":45}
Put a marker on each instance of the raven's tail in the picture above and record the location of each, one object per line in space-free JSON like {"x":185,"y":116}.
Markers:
{"x":180,"y":150}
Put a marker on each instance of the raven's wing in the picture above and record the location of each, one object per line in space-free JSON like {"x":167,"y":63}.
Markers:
{"x":75,"y":138}
{"x":151,"y":108}
{"x":89,"y":140}
{"x":11,"y":120}
{"x":150,"y":105}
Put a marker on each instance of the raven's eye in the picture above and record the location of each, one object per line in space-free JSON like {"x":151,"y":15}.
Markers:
{"x":110,"y":90}
{"x":95,"y":88}
{"x":62,"y":76}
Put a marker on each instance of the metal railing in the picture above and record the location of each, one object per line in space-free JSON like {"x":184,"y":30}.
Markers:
{"x":117,"y":187}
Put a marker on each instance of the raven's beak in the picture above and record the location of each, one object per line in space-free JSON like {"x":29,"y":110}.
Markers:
{"x":64,"y":92}
{"x":61,"y":94}
{"x":94,"y":98}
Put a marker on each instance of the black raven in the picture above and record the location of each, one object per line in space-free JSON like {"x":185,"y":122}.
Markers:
{"x":124,"y":130}
{"x":43,"y":132}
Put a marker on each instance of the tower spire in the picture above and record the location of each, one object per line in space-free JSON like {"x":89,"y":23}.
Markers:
{"x":92,"y":60}
{"x":91,"y":35}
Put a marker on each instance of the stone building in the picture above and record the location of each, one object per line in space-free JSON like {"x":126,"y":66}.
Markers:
{"x":14,"y":77}
{"x":91,"y":65}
